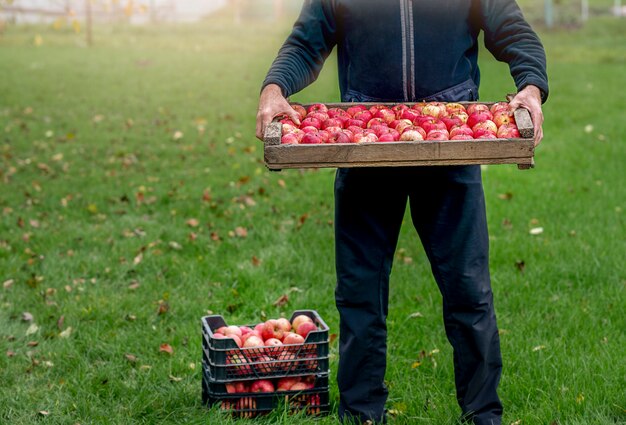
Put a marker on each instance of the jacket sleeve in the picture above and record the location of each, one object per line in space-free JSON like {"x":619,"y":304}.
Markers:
{"x":509,"y":37}
{"x":302,"y":56}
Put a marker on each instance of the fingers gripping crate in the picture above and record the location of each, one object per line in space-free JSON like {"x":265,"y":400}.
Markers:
{"x":224,"y":361}
{"x":242,"y":399}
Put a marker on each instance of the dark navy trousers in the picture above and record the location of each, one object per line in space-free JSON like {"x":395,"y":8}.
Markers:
{"x":448,"y":211}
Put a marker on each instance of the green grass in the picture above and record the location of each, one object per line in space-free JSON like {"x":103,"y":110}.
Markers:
{"x":96,"y":192}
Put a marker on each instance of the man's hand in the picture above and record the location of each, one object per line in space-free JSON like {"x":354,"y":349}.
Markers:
{"x":530,"y":98}
{"x":271,"y":105}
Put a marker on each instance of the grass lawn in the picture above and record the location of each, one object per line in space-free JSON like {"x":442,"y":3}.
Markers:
{"x":134,"y":200}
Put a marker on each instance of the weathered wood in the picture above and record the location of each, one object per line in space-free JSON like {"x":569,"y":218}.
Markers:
{"x":524,"y":123}
{"x":518,"y":151}
{"x":273,"y":134}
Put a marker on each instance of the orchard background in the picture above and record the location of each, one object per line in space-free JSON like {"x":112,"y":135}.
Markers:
{"x":134,"y":200}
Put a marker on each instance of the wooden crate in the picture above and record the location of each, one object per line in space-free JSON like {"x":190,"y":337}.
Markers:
{"x":518,"y":151}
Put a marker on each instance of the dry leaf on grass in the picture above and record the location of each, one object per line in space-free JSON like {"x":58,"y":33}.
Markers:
{"x":166,"y":348}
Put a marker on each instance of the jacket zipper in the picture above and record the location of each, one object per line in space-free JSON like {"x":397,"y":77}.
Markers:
{"x":408,"y":50}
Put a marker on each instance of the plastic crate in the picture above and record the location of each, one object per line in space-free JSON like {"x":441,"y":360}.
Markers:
{"x":314,"y":401}
{"x":225,"y":362}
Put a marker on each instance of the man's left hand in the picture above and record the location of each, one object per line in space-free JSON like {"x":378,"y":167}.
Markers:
{"x":530,"y":98}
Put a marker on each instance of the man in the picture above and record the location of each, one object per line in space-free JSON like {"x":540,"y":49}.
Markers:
{"x":409,"y":51}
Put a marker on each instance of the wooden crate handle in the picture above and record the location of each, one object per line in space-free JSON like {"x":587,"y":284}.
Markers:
{"x":524,"y":123}
{"x":273,"y":133}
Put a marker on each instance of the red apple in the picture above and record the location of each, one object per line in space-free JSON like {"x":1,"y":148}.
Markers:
{"x":411,"y":135}
{"x":324,"y":136}
{"x":376,"y":121}
{"x":428,"y":126}
{"x":289,"y":122}
{"x":262,"y":386}
{"x":259,"y":327}
{"x":503,"y":117}
{"x":232,"y":330}
{"x":476,"y":107}
{"x":300,"y":110}
{"x":292,"y":338}
{"x":454,"y":107}
{"x":274,"y":346}
{"x":337,"y":112}
{"x":451,"y":122}
{"x":385,"y":114}
{"x":318,"y":115}
{"x":410,"y":114}
{"x":353,"y":110}
{"x":311,"y":121}
{"x":253,"y":341}
{"x":399,"y":109}
{"x":237,"y":387}
{"x":508,"y":131}
{"x":339,"y":137}
{"x":363,"y":116}
{"x":365,"y":137}
{"x":461,"y":129}
{"x":299,"y":386}
{"x":311,"y":139}
{"x":486,"y":125}
{"x":317,"y":107}
{"x":354,"y":122}
{"x":304,"y":328}
{"x":285,"y":384}
{"x":274,"y":329}
{"x":332,"y":122}
{"x":289,"y":139}
{"x":499,"y":106}
{"x":245,"y":337}
{"x":301,"y":318}
{"x":460,"y":115}
{"x":220,"y":330}
{"x":482,"y":133}
{"x":477,"y":117}
{"x":435,"y":109}
{"x":438,"y":134}
{"x":285,"y":362}
{"x":375,"y":108}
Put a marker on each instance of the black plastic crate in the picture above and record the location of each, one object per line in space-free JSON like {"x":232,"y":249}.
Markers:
{"x":314,"y":401}
{"x":225,"y":361}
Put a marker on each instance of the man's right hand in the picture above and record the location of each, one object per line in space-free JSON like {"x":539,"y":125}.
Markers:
{"x":272,"y":104}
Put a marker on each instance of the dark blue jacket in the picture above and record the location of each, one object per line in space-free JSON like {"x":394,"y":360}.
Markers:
{"x":408,"y":50}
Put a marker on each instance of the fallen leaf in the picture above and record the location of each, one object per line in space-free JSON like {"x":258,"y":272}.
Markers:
{"x":281,"y":301}
{"x":241,"y":232}
{"x":138,"y":259}
{"x":215,"y":236}
{"x":66,"y":333}
{"x":517,"y":422}
{"x":177,"y":135}
{"x":536,"y":231}
{"x":580,"y":398}
{"x":166,"y":348}
{"x":416,"y":315}
{"x":506,"y":196}
{"x":44,"y":412}
{"x":27,"y":317}
{"x":255,"y":261}
{"x":134,"y":285}
{"x":164,"y":307}
{"x":10,"y":353}
{"x":175,"y":245}
{"x":416,"y":365}
{"x":281,"y":183}
{"x":60,"y":322}
{"x":539,"y":347}
{"x":332,"y":338}
{"x":33,"y":328}
{"x":588,"y":128}
{"x":193,"y":222}
{"x":32,"y":343}
{"x":8,"y":283}
{"x":175,"y":378}
{"x":521,"y":265}
{"x":130,"y":357}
